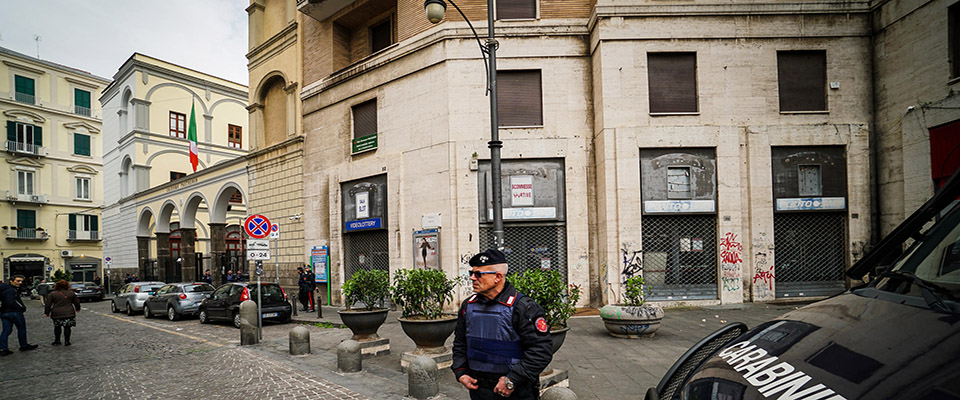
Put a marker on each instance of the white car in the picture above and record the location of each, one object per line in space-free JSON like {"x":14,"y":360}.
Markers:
{"x":131,"y":296}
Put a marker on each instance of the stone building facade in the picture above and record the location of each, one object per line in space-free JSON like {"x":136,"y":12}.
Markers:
{"x":720,"y":150}
{"x":52,"y":179}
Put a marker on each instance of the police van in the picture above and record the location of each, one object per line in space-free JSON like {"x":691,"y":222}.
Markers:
{"x":896,"y":337}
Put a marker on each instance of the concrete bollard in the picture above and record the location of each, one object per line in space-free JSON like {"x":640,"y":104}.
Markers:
{"x":299,"y":341}
{"x":422,"y":378}
{"x":558,"y":393}
{"x":349,"y":358}
{"x":248,"y":323}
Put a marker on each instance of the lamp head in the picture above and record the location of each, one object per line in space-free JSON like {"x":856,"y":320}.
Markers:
{"x":435,"y":10}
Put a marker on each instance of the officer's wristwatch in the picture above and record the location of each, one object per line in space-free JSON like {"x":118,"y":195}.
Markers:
{"x":508,"y":382}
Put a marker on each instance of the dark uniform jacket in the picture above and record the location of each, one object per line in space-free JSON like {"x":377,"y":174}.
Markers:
{"x":62,"y":304}
{"x":10,"y":297}
{"x":536,"y":345}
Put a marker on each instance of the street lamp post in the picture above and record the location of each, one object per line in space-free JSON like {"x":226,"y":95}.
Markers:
{"x":435,"y":10}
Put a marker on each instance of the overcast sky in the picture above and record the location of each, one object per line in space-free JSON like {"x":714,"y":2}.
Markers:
{"x":97,"y":36}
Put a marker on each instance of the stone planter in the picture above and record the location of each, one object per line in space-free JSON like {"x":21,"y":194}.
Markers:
{"x":631,"y":322}
{"x":558,"y":337}
{"x":364,"y":324}
{"x":429,"y":334}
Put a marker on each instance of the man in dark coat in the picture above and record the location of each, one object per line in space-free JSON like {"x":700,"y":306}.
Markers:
{"x":11,"y":312}
{"x":502,"y":341}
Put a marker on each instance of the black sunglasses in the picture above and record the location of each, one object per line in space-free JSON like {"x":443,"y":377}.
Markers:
{"x":478,"y":274}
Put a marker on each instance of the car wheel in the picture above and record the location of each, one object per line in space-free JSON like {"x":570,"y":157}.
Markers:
{"x":236,"y":320}
{"x":129,"y":310}
{"x":113,"y":307}
{"x":146,"y":311}
{"x":172,"y":314}
{"x":203,"y":317}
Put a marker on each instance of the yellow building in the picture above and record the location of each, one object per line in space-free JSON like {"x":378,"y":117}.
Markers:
{"x":159,"y":214}
{"x":276,"y":156}
{"x":52,"y":180}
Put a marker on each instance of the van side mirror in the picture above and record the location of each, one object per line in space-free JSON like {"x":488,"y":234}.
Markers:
{"x":151,"y":293}
{"x":207,"y":295}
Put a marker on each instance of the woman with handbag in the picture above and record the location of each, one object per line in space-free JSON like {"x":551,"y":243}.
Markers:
{"x":62,"y":305}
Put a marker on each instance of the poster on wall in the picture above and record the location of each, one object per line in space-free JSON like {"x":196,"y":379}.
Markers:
{"x":318,"y":260}
{"x":426,"y":249}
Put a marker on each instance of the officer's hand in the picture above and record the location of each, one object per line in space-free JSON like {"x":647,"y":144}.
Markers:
{"x":501,"y":388}
{"x":468,"y":382}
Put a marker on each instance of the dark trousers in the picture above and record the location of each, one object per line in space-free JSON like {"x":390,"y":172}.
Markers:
{"x":11,"y":319}
{"x":304,"y":297}
{"x":486,"y":385}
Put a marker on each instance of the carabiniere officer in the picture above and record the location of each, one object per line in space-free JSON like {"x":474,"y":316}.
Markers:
{"x":502,"y":342}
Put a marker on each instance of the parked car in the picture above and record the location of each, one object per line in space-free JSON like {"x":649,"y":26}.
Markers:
{"x":87,"y":290}
{"x":895,"y":337}
{"x":224,"y":303}
{"x":131,"y":296}
{"x":177,"y":299}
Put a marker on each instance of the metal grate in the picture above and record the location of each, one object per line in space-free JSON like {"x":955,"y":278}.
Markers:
{"x":809,"y":258}
{"x":368,"y":250}
{"x":679,"y":257}
{"x":531,"y":246}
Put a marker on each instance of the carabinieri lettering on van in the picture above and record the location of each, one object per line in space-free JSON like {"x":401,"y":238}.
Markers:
{"x":770,"y":377}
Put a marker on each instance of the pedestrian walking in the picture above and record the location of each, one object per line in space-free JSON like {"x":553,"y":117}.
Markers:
{"x":311,"y":286}
{"x":62,"y":306}
{"x":502,"y":343}
{"x":96,"y":279}
{"x":11,"y":312}
{"x":303,"y":287}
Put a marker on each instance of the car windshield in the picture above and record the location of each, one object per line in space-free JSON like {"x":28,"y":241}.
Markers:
{"x":933,"y":258}
{"x":76,"y":286}
{"x":197,"y":287}
{"x":268,"y":291}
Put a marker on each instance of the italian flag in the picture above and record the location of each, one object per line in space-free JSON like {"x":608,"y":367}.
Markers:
{"x":192,"y":137}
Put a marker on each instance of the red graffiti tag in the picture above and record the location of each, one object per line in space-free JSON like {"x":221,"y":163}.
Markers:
{"x":764,"y":276}
{"x":730,"y":249}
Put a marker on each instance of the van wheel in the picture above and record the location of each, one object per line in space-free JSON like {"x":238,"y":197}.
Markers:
{"x":203,"y":317}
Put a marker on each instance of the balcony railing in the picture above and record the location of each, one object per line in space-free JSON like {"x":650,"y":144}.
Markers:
{"x":23,"y":147}
{"x":83,"y":235}
{"x":79,"y":110}
{"x":12,"y":195}
{"x":24,"y":98}
{"x":27,"y":234}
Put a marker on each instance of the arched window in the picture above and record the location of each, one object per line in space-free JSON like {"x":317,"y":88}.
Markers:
{"x":274,"y":100}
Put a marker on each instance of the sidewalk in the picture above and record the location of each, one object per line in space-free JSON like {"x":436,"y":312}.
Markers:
{"x":600,"y":366}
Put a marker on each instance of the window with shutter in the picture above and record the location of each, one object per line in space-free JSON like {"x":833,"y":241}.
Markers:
{"x":516,"y":9}
{"x":26,"y":219}
{"x":81,"y":102}
{"x":24,"y":89}
{"x":519,"y":98}
{"x":672,"y":81}
{"x":802,"y":80}
{"x":364,"y":126}
{"x":81,"y":144}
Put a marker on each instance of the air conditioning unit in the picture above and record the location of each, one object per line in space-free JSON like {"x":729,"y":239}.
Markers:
{"x":35,"y":198}
{"x":66,"y":253}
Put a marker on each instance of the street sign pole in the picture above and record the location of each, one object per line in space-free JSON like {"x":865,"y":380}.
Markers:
{"x":259,"y":301}
{"x":277,"y":247}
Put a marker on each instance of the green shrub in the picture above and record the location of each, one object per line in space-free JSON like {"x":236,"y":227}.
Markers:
{"x":633,"y":292}
{"x":368,"y":287}
{"x":557,"y":299}
{"x":423,"y":292}
{"x":60,"y":274}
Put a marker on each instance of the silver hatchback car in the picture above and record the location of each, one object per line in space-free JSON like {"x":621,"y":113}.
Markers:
{"x":174,"y":300}
{"x":131,"y":296}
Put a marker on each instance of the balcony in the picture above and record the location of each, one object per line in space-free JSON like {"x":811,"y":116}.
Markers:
{"x":79,"y":236}
{"x":84,"y":111}
{"x":25,"y":148}
{"x":13,"y":196}
{"x":26,"y":234}
{"x":24,"y":98}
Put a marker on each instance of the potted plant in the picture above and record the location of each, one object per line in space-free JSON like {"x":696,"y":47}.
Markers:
{"x":371,"y":289}
{"x":557,"y":299}
{"x":421,"y":295}
{"x":633,"y":318}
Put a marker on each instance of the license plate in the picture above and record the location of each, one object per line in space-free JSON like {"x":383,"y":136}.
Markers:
{"x":268,"y":315}
{"x":88,"y":291}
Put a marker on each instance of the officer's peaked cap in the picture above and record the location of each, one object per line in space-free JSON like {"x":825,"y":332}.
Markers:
{"x":488,"y":257}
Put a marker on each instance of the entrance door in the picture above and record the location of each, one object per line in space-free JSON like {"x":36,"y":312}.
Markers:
{"x":809,"y":260}
{"x":29,"y":269}
{"x":367,"y":250}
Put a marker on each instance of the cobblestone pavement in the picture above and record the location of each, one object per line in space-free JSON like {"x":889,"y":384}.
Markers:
{"x":115,"y":356}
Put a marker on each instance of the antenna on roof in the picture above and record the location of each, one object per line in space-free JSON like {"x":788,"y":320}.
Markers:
{"x":37,"y":38}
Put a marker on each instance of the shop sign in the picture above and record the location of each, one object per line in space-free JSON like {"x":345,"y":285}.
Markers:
{"x":678,"y":206}
{"x":521,"y":190}
{"x":366,"y":143}
{"x":811,"y":204}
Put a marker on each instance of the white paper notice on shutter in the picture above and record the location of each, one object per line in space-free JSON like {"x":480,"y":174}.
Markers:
{"x":363,"y":205}
{"x":521,"y":190}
